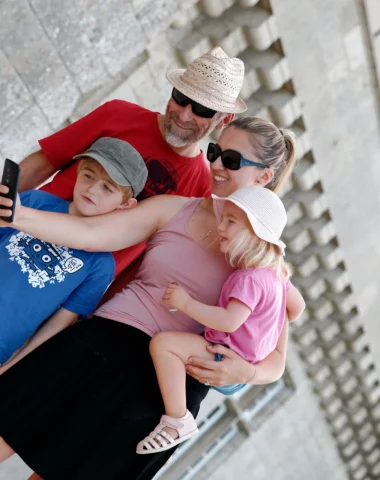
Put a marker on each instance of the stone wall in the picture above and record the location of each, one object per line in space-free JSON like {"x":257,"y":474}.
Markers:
{"x":308,"y":67}
{"x":54,"y":54}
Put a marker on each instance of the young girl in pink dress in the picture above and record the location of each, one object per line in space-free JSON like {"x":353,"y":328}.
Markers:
{"x":250,"y":315}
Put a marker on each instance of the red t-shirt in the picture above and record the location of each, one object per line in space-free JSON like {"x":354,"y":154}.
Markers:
{"x":168,"y":172}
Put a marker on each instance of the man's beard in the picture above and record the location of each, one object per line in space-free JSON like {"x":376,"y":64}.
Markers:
{"x":177,"y":137}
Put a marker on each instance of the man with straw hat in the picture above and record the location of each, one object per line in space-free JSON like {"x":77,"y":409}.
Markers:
{"x":205,"y":97}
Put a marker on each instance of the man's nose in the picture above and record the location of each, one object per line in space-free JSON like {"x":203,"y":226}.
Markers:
{"x":186,"y":114}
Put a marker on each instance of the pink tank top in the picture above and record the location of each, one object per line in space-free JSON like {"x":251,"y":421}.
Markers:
{"x":171,"y":256}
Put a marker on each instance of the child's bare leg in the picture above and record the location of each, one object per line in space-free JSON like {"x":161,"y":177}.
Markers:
{"x":5,"y":450}
{"x":170,"y":352}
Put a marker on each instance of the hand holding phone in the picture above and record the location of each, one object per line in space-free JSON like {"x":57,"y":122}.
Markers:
{"x":10,"y":178}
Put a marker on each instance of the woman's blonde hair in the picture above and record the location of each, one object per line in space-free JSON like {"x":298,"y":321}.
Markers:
{"x":126,"y":191}
{"x":247,"y":250}
{"x":273,"y":146}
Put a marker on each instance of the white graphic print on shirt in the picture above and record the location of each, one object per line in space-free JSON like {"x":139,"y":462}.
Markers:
{"x":43,"y":262}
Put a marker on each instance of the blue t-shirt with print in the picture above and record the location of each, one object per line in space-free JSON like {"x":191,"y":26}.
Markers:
{"x":37,"y":278}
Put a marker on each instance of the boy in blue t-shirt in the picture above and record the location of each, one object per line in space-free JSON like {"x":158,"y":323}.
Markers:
{"x":42,"y":281}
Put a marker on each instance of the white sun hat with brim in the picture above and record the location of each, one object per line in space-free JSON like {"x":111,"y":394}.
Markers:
{"x":264,"y":209}
{"x":214,"y":80}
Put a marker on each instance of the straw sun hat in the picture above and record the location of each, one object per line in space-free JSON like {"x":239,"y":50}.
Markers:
{"x":214,"y":80}
{"x":265,"y":211}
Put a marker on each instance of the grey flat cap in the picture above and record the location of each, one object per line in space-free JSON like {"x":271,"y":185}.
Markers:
{"x":120,"y":160}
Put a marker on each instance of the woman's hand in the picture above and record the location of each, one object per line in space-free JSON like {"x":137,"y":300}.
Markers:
{"x":175,"y":296}
{"x":7,"y":202}
{"x":230,"y":371}
{"x":233,"y":369}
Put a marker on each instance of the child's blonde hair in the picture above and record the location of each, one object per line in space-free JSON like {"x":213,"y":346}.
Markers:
{"x":247,"y":250}
{"x":126,"y":191}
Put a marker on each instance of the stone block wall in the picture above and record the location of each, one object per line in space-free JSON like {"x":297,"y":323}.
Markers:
{"x":307,"y":68}
{"x":54,"y":54}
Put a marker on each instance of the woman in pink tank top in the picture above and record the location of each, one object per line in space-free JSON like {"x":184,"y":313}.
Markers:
{"x":248,"y":319}
{"x":97,"y":377}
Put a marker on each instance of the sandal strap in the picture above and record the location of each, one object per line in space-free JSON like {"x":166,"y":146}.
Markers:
{"x":171,"y":422}
{"x":161,"y":439}
{"x":153,"y":442}
{"x":157,"y":439}
{"x":167,"y":436}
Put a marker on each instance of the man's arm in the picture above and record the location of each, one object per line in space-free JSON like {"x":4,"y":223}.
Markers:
{"x":35,"y":169}
{"x":58,"y":149}
{"x":57,"y":322}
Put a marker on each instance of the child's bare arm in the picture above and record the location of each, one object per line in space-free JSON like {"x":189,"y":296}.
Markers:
{"x":61,"y":319}
{"x":295,"y":304}
{"x":223,"y":319}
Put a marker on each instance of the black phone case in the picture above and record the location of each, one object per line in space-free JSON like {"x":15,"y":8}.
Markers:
{"x":11,"y":176}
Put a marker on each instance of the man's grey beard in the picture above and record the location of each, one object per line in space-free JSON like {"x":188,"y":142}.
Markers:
{"x":176,"y":141}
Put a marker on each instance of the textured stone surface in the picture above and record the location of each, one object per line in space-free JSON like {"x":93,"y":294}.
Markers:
{"x":93,"y":44}
{"x":20,"y":138}
{"x":95,"y":39}
{"x":14,"y":96}
{"x":38,"y":65}
{"x":63,"y":52}
{"x":373,"y":12}
{"x":155,"y":18}
{"x":276,"y":450}
{"x":340,"y":113}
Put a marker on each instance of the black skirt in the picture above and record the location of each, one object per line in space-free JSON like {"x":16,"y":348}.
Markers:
{"x":76,"y":407}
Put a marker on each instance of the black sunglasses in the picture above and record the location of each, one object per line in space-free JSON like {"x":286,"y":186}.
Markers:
{"x":231,"y":159}
{"x":198,"y":109}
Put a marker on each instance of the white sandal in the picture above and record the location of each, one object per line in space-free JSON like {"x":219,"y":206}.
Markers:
{"x":159,"y":440}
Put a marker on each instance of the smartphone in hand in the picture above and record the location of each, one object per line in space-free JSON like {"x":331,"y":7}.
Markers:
{"x":10,"y":178}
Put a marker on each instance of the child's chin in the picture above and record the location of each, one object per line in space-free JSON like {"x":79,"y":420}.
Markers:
{"x":87,"y":211}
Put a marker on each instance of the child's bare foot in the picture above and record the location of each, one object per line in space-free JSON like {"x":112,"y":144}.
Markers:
{"x":168,"y":433}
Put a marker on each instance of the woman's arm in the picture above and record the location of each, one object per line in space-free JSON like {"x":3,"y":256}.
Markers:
{"x":295,"y":304}
{"x":234,"y":370}
{"x":57,"y":322}
{"x":103,"y":233}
